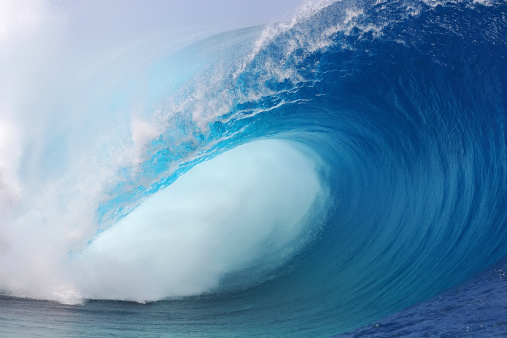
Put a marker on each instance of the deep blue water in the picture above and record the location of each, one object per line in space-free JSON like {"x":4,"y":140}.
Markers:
{"x":474,"y":309}
{"x":401,"y":108}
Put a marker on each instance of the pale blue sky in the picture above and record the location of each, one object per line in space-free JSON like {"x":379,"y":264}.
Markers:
{"x":133,"y":19}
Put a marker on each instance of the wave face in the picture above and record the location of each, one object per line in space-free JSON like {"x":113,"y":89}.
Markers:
{"x":303,"y":178}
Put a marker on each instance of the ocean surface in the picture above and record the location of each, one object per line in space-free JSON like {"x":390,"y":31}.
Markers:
{"x":474,"y":309}
{"x":341,"y":173}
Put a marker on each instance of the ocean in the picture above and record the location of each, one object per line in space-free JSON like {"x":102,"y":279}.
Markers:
{"x":341,"y":173}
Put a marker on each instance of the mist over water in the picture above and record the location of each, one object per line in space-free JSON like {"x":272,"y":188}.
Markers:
{"x":75,"y":115}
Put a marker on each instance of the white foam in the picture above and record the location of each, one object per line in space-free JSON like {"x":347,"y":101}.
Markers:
{"x":247,"y":208}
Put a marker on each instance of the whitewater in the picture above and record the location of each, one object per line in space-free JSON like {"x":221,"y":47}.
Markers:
{"x":291,"y":169}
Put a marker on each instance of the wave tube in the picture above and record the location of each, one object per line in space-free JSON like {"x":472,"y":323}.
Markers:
{"x":229,"y":221}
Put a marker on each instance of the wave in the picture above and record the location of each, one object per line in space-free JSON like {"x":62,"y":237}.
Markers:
{"x":333,"y":169}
